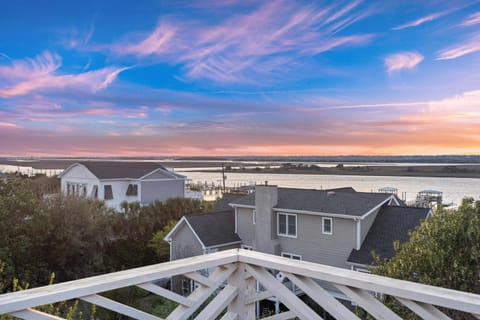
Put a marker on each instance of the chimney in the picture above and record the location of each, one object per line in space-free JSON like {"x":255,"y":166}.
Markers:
{"x":265,"y":228}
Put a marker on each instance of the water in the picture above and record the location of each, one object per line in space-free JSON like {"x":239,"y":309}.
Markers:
{"x":454,"y":189}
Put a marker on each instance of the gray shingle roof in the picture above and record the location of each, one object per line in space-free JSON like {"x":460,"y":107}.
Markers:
{"x":335,"y":201}
{"x":121,"y":169}
{"x":393,"y":223}
{"x":214,"y":228}
{"x":223,"y":203}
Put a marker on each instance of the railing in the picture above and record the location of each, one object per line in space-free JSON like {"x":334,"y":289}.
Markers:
{"x":233,"y":287}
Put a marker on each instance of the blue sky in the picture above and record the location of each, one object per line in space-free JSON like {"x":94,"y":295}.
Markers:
{"x":100,"y":78}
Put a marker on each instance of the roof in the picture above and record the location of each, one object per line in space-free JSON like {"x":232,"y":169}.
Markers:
{"x":341,"y":201}
{"x":393,"y":223}
{"x":213,"y":229}
{"x":122,"y":169}
{"x":223,"y":203}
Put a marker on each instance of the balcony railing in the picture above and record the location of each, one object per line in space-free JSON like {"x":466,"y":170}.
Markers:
{"x":233,"y":285}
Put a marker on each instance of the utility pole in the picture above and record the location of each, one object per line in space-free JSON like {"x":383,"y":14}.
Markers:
{"x":223,"y":177}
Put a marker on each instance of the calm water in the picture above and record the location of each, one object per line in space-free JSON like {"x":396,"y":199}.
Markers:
{"x":454,"y":189}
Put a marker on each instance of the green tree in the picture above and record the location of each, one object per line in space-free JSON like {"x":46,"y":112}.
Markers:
{"x":158,"y":245}
{"x":443,"y":251}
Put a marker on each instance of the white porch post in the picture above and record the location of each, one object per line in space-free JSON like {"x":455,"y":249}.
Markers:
{"x":246,"y":288}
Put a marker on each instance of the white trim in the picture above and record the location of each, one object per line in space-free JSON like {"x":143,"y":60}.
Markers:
{"x":254,"y":216}
{"x":359,"y":238}
{"x":236,"y":221}
{"x":234,"y":205}
{"x":354,"y":264}
{"x":286,"y":225}
{"x":333,"y":215}
{"x":323,"y":225}
{"x":223,"y":244}
{"x":168,"y":237}
{"x":171,"y":174}
{"x":376,"y":207}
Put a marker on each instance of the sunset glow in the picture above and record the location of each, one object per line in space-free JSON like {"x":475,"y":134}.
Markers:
{"x":204,"y":78}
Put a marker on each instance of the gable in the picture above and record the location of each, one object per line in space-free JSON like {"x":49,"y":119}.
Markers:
{"x":77,"y":171}
{"x":160,"y":174}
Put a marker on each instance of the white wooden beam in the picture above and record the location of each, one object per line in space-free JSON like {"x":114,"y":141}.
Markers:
{"x":170,"y":295}
{"x":258,"y":297}
{"x":32,"y":314}
{"x":287,"y":315}
{"x":289,"y":299}
{"x":25,"y":299}
{"x":118,"y":307}
{"x":322,"y":297}
{"x":230,"y":316}
{"x":425,"y":311}
{"x":201,"y":294}
{"x":219,"y":303}
{"x":195,"y":276}
{"x":450,"y":299}
{"x":246,"y":288}
{"x":363,"y":298}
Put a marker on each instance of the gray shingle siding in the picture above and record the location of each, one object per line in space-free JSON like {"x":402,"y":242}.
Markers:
{"x":161,"y":190}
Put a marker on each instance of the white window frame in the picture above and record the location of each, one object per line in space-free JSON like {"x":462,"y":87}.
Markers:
{"x":254,"y":216}
{"x":286,"y":221}
{"x":323,"y":225}
{"x":291,"y":256}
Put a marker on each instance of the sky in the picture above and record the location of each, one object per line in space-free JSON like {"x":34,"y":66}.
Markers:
{"x":239,"y":77}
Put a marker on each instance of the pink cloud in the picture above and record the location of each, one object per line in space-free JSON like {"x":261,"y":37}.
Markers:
{"x":420,"y":21}
{"x":472,"y":19}
{"x":41,"y":73}
{"x":470,"y":46}
{"x":402,"y":60}
{"x":231,"y":50}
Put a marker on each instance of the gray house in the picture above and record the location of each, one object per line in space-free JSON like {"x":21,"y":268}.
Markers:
{"x":337,"y":227}
{"x":118,"y":181}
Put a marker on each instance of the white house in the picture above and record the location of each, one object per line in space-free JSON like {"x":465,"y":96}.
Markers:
{"x":118,"y":181}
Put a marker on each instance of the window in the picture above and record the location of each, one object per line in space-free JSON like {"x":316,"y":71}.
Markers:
{"x":254,"y":216}
{"x":95,"y":192}
{"x":327,"y":225}
{"x":291,"y":256}
{"x":287,"y":225}
{"x":108,"y":192}
{"x":132,"y":190}
{"x":244,"y":246}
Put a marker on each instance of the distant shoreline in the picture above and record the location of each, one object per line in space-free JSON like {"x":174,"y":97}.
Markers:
{"x":440,"y":171}
{"x":418,"y":170}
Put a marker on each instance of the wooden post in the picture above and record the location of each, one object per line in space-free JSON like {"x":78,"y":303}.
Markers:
{"x":246,"y":288}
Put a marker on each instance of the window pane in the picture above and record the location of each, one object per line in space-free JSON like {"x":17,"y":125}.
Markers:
{"x":292,"y":226}
{"x":282,"y":224}
{"x":108,"y":192}
{"x":327,"y":225}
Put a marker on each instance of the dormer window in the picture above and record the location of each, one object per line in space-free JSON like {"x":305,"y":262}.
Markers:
{"x":132,"y":190}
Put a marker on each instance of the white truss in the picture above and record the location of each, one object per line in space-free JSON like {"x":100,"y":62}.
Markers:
{"x":233,"y":286}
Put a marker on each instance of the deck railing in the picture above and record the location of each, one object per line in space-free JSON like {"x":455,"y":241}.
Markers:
{"x":233,"y":285}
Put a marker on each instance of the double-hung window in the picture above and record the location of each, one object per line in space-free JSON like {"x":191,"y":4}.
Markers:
{"x":287,"y":225}
{"x":327,"y":225}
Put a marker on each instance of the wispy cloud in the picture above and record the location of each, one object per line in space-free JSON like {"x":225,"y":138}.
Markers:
{"x":42,"y":73}
{"x":472,"y":19}
{"x":402,"y":60}
{"x":470,"y":46}
{"x":422,"y":20}
{"x":255,"y":43}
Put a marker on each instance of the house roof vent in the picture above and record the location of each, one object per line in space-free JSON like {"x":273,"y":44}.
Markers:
{"x":330,"y":193}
